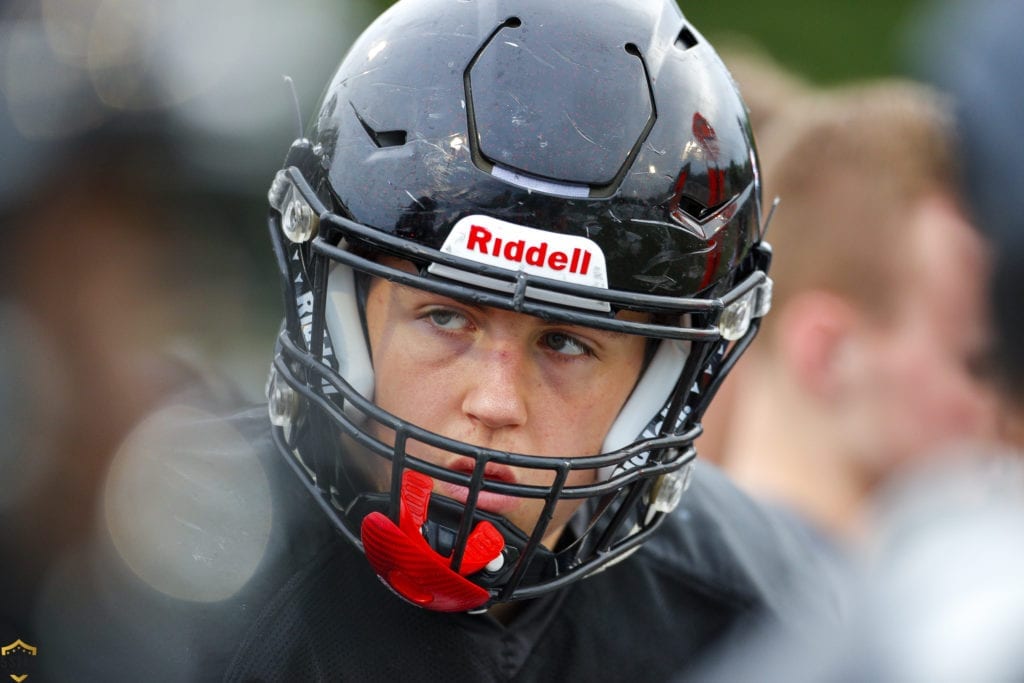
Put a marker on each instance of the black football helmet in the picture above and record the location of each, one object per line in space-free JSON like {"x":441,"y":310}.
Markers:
{"x":563,"y":160}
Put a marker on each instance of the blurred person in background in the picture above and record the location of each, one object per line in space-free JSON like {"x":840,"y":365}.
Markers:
{"x":874,"y":354}
{"x":89,"y":307}
{"x":944,"y":601}
{"x":940,"y":597}
{"x":124,"y":282}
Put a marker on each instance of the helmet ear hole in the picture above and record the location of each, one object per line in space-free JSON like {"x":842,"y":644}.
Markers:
{"x":345,"y":326}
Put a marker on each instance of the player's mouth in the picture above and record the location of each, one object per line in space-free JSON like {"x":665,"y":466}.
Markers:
{"x":487,"y":500}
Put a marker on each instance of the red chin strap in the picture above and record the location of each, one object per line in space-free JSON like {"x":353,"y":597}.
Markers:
{"x":403,"y":558}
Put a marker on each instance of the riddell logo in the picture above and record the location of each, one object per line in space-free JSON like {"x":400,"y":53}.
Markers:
{"x":541,"y":255}
{"x":552,"y":255}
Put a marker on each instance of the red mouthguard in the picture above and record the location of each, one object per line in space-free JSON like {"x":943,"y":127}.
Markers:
{"x":403,"y":558}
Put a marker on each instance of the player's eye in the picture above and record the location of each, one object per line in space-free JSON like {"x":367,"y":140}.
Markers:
{"x":447,"y":319}
{"x":566,"y":344}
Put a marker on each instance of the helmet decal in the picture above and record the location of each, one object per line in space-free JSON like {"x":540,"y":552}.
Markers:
{"x":551,"y":255}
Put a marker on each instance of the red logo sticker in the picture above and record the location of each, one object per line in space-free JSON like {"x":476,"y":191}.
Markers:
{"x":568,"y":258}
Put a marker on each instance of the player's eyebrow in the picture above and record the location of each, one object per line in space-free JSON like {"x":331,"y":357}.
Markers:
{"x":606,"y":336}
{"x":609,"y":335}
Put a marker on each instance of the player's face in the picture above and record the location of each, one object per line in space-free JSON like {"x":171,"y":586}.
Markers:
{"x":501,"y":380}
{"x":923,"y":390}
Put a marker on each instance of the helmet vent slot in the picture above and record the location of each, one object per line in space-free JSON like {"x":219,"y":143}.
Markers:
{"x":388,"y":138}
{"x":685,"y":40}
{"x":695,"y":209}
{"x":382,"y":138}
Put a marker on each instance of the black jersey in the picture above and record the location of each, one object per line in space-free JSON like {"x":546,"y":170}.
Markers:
{"x":313,"y":609}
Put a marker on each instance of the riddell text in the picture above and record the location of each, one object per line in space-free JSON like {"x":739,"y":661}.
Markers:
{"x":483,"y":240}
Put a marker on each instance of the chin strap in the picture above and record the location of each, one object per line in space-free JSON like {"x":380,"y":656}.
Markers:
{"x":405,"y":561}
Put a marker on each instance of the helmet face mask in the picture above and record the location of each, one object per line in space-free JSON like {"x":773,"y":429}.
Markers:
{"x":664,"y":221}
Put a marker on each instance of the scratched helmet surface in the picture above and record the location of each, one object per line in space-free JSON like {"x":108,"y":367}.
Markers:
{"x":561,"y":161}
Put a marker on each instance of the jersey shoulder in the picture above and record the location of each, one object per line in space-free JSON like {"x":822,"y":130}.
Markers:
{"x":745,"y":551}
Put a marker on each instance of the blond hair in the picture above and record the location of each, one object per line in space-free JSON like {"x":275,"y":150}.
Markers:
{"x":848,"y":165}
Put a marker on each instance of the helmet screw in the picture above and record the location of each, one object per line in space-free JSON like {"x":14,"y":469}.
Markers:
{"x":668,"y":489}
{"x":735,"y":319}
{"x":297,"y":220}
{"x":282,"y":401}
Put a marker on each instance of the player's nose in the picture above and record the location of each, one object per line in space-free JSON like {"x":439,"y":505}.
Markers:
{"x":496,"y":396}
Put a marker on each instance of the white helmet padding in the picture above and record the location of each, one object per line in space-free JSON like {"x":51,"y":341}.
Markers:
{"x":649,"y":395}
{"x":345,"y":327}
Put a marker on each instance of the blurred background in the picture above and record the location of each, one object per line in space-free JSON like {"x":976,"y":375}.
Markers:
{"x":827,"y":43}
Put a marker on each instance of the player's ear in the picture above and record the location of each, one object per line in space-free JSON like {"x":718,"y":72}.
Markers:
{"x":818,"y":337}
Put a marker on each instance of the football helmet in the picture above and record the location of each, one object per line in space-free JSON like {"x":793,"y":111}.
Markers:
{"x":559,"y":160}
